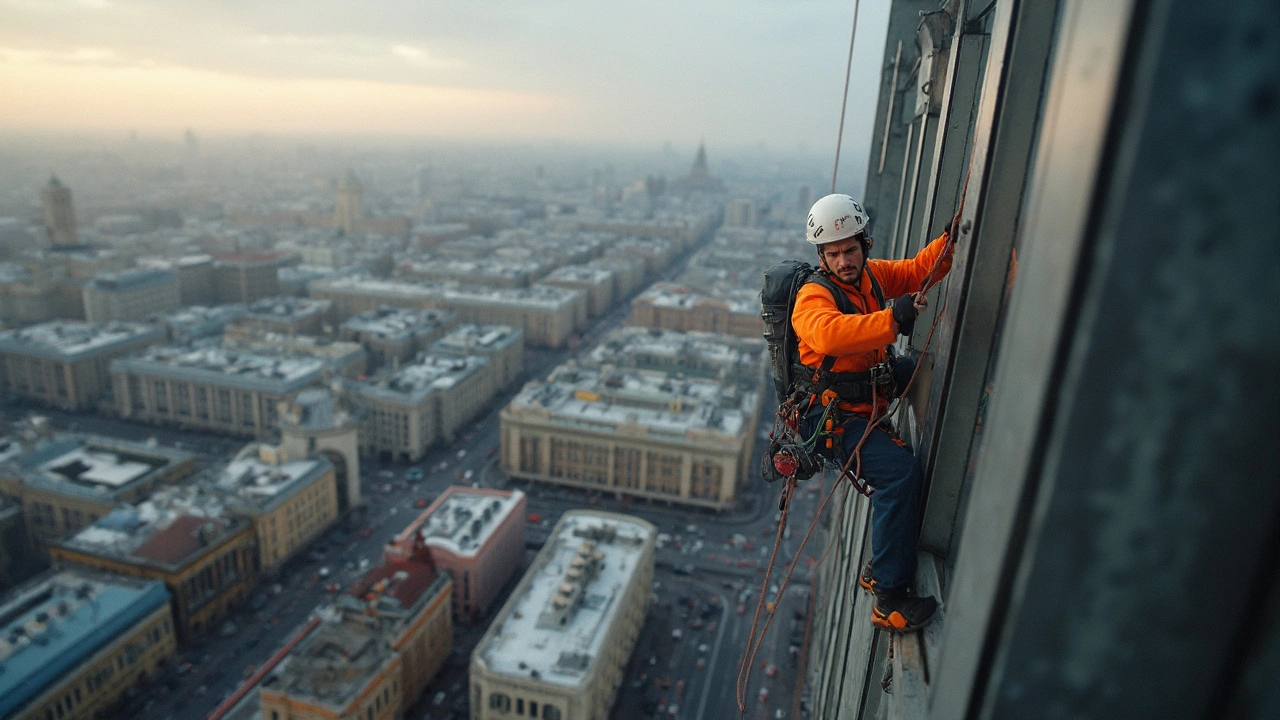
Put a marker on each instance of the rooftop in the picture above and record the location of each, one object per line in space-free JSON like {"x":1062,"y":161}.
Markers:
{"x":462,"y":519}
{"x":132,"y":279}
{"x":537,"y":296}
{"x":94,"y":467}
{"x":555,"y":623}
{"x":724,"y":357}
{"x":68,"y":340}
{"x":253,"y":481}
{"x":469,"y":338}
{"x":52,"y":624}
{"x":352,"y":644}
{"x":673,"y":295}
{"x":198,"y":321}
{"x":287,"y":308}
{"x":171,"y":528}
{"x":259,"y":368}
{"x":581,"y":274}
{"x":430,"y":372}
{"x":317,"y":408}
{"x":604,"y":399}
{"x":400,"y":323}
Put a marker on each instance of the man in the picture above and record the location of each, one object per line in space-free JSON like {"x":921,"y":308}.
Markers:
{"x":856,"y":377}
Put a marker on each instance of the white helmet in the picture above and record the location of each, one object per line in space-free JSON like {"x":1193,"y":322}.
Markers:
{"x":835,"y":217}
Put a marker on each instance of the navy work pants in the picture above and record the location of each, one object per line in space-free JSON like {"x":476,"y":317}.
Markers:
{"x":895,"y":505}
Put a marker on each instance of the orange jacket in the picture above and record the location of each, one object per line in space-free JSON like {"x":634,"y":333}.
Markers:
{"x":858,"y":341}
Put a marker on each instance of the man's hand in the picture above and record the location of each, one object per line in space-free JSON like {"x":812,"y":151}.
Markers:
{"x":905,"y":309}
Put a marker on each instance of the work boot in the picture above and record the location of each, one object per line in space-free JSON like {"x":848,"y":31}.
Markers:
{"x":865,"y":581}
{"x":899,"y":610}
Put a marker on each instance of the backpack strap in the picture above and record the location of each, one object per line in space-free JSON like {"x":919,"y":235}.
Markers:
{"x":875,"y":287}
{"x":843,"y":303}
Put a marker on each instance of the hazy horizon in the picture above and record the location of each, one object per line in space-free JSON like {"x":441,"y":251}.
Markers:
{"x":763,"y":75}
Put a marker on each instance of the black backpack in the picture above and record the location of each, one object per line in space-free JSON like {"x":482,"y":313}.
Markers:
{"x":778,"y":299}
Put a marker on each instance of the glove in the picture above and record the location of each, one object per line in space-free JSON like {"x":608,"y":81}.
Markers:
{"x":904,"y":313}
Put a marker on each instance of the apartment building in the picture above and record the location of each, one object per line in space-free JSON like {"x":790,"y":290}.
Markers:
{"x":547,"y":315}
{"x":291,"y":499}
{"x":207,"y":560}
{"x":409,"y":410}
{"x":558,"y":648}
{"x":502,"y":345}
{"x":641,"y":433}
{"x":226,"y":387}
{"x":477,"y":534}
{"x":66,"y":363}
{"x":131,"y":295}
{"x":732,"y":311}
{"x":393,"y":335}
{"x":73,"y":641}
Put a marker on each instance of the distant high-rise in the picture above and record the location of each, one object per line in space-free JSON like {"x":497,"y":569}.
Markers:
{"x":190,"y":142}
{"x":699,"y":177}
{"x":59,"y":217}
{"x":349,"y":206}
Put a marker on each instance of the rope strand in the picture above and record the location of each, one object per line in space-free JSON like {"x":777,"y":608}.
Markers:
{"x":844,"y":99}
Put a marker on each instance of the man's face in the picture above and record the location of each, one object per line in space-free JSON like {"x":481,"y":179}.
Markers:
{"x":844,"y":259}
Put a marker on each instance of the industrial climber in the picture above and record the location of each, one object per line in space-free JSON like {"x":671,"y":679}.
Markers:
{"x":856,"y":383}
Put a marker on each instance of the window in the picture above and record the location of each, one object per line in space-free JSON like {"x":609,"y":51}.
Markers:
{"x":533,"y":708}
{"x":162,"y":396}
{"x":500,"y":702}
{"x":550,"y":712}
{"x":183,"y":397}
{"x":519,"y":706}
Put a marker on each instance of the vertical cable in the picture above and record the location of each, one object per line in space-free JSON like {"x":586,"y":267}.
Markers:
{"x":844,"y":100}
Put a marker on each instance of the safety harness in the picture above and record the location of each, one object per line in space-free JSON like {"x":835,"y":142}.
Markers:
{"x":850,"y":387}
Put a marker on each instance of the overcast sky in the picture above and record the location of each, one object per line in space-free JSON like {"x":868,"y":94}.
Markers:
{"x":732,"y":73}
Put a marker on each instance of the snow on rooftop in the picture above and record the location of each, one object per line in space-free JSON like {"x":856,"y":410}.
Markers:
{"x":580,"y":576}
{"x":540,"y":296}
{"x":93,"y":465}
{"x":480,"y":338}
{"x":389,"y":321}
{"x":249,"y":478}
{"x":604,"y":400}
{"x":69,"y":337}
{"x":465,"y":520}
{"x":234,"y":362}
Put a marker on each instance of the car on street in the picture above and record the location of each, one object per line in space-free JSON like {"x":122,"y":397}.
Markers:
{"x":413,"y":473}
{"x":420,"y":502}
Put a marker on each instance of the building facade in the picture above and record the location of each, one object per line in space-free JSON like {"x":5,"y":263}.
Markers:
{"x":131,"y":295}
{"x":67,"y":364}
{"x":477,"y":534}
{"x":226,"y":388}
{"x":291,"y":499}
{"x":72,"y":642}
{"x":246,"y":278}
{"x":557,"y":649}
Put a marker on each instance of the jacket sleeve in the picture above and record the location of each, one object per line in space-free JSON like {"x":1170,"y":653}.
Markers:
{"x":821,"y":325}
{"x":899,"y":277}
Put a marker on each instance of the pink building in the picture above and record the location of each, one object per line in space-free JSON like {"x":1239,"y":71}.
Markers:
{"x":477,"y":534}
